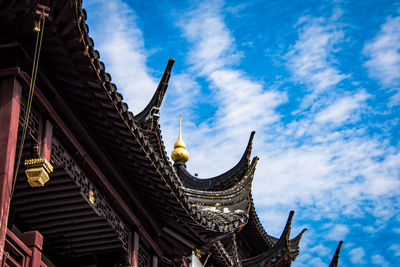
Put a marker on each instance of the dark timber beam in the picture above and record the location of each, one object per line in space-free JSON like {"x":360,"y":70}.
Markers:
{"x":81,"y":238}
{"x":49,"y":211}
{"x":89,"y":231}
{"x":66,"y":229}
{"x":93,"y":249}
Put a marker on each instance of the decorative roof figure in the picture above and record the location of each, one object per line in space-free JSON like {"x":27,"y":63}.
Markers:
{"x":180,"y":152}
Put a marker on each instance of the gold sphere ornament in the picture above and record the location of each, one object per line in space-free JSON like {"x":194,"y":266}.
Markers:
{"x":180,"y":152}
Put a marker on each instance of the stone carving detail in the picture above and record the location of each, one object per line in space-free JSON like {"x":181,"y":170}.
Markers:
{"x":97,"y":201}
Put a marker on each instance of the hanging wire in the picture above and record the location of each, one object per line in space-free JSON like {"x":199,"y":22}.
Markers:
{"x":38,"y":46}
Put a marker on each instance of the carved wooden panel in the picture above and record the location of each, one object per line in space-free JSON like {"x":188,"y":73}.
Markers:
{"x":96,"y":200}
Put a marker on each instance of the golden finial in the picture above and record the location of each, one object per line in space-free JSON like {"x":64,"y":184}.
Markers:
{"x":180,"y":152}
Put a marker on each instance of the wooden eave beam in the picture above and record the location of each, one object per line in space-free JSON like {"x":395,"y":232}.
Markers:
{"x":87,"y":140}
{"x":58,"y":216}
{"x":17,"y":200}
{"x":72,"y":227}
{"x":46,"y":212}
{"x":87,"y":237}
{"x":84,"y":243}
{"x":54,"y":203}
{"x":88,"y":231}
{"x":93,"y":248}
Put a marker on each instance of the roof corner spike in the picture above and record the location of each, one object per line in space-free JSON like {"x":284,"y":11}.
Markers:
{"x":250,"y":145}
{"x":295,"y":244}
{"x":286,"y":232}
{"x":152,"y":111}
{"x":298,"y":237}
{"x":335,"y":259}
{"x":247,"y":152}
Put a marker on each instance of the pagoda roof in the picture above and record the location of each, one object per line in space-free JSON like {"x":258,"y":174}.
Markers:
{"x":127,"y":147}
{"x":191,"y":212}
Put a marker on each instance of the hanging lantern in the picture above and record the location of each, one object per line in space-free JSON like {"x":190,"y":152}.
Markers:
{"x":38,"y":171}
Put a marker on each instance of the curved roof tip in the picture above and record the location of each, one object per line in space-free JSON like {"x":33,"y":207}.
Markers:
{"x":152,"y":111}
{"x":298,"y":237}
{"x":335,"y":259}
{"x":288,"y":226}
{"x":249,"y":147}
{"x":281,"y":246}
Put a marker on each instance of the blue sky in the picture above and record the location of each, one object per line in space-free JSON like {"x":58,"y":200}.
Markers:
{"x":319,"y":81}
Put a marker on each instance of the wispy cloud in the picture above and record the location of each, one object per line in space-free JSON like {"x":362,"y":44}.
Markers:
{"x":214,"y":54}
{"x":379,"y":260}
{"x":384,"y":54}
{"x":342,"y":109}
{"x":240,"y":98}
{"x":337,"y":231}
{"x":122,"y":48}
{"x":329,"y":165}
{"x":310,"y":58}
{"x":357,"y":255}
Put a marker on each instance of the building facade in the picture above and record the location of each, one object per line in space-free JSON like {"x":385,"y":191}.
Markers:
{"x":84,"y":182}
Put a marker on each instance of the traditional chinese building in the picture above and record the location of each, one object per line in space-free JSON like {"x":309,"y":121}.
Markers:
{"x":84,"y":182}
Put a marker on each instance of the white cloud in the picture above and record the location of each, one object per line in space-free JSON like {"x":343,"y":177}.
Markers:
{"x":344,"y":172}
{"x":213,"y":44}
{"x":337,"y":232}
{"x":121,"y":45}
{"x":319,"y":249}
{"x":384,"y":54}
{"x":343,"y":109}
{"x":321,"y":170}
{"x":182,"y":94}
{"x":244,"y":100}
{"x":379,"y":260}
{"x":357,"y":255}
{"x":240,"y":99}
{"x":310,"y":58}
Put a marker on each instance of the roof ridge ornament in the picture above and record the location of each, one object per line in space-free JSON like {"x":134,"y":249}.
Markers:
{"x":180,"y":153}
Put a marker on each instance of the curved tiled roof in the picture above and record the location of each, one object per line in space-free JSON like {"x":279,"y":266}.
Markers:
{"x":226,"y":209}
{"x":221,"y":182}
{"x":281,"y":252}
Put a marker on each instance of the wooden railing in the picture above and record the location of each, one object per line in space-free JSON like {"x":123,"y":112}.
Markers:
{"x":25,"y":253}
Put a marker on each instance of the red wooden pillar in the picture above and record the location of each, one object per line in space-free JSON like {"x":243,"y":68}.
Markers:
{"x":155,"y":261}
{"x":47,"y":135}
{"x":10,"y":100}
{"x":34,"y":241}
{"x":133,"y":249}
